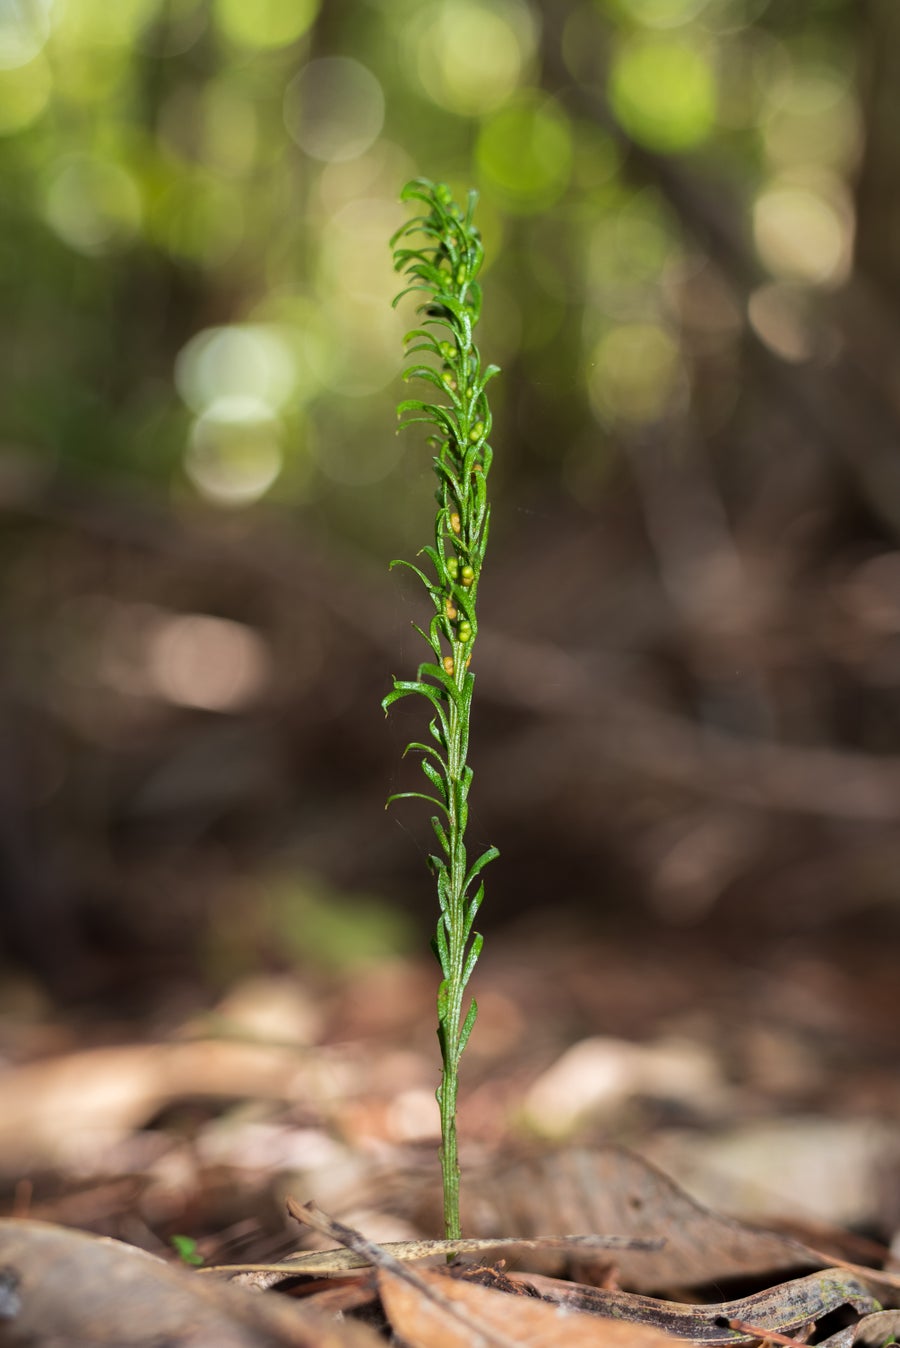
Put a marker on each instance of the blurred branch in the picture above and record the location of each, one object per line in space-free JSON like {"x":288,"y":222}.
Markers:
{"x":589,"y":718}
{"x":276,"y":552}
{"x":590,"y":714}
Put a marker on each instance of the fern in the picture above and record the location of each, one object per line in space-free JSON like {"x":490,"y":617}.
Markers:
{"x":443,"y":268}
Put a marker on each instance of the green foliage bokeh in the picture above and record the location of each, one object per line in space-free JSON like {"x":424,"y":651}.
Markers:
{"x":206,"y":171}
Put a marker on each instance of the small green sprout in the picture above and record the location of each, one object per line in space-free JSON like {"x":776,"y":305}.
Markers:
{"x":186,"y":1249}
{"x":444,"y":267}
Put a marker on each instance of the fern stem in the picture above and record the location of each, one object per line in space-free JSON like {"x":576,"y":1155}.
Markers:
{"x":449,"y":1024}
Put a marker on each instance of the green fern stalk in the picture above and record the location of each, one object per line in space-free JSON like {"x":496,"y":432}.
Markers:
{"x":444,"y":267}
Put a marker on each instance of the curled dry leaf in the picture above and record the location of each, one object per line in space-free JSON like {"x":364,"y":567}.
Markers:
{"x":780,"y":1310}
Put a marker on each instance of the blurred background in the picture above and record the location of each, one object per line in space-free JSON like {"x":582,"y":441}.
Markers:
{"x":687,"y":718}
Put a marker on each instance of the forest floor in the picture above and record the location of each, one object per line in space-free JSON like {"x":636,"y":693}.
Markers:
{"x":765,"y":1082}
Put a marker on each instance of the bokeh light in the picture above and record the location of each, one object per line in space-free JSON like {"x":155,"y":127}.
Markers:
{"x":355,"y":258}
{"x":201,"y":471}
{"x":661,"y":13}
{"x":25,"y":92}
{"x":470,"y":55}
{"x":265,"y":24}
{"x":250,"y":361}
{"x":234,"y":453}
{"x":810,"y":116}
{"x":87,"y":77}
{"x":524,"y":152}
{"x":356,"y":278}
{"x":93,"y":204}
{"x":780,"y":319}
{"x":101,"y":24}
{"x":802,"y":234}
{"x":334,"y":108}
{"x":305,"y":328}
{"x":237,"y":380}
{"x":231,"y":128}
{"x":374,"y":174}
{"x":211,"y":664}
{"x":628,"y":249}
{"x":663,"y":91}
{"x":24,"y":30}
{"x":144,"y":650}
{"x":634,"y":373}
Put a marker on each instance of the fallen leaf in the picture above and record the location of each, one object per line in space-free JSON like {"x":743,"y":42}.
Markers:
{"x":480,"y":1317}
{"x":781,"y":1310}
{"x":774,"y":1166}
{"x":80,"y":1105}
{"x":435,"y":1314}
{"x":67,"y":1289}
{"x":611,"y":1189}
{"x":597,"y":1076}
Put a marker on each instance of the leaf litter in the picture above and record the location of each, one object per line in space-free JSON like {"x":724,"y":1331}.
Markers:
{"x":59,"y":1286}
{"x":185,"y":1146}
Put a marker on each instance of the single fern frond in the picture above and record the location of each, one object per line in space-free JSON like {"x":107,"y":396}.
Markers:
{"x":443,"y":269}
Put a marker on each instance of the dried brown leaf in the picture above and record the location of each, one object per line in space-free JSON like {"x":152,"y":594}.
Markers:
{"x":483,"y":1318}
{"x":62,"y":1106}
{"x":780,"y":1310}
{"x":611,"y":1189}
{"x":67,"y":1289}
